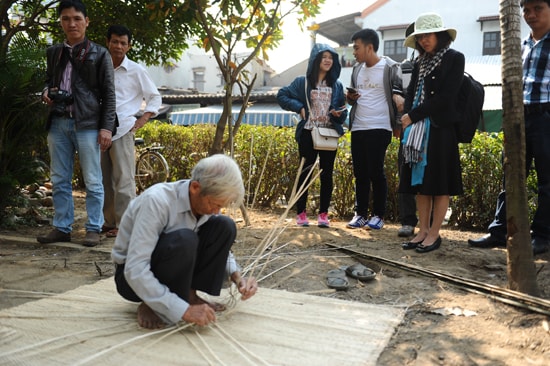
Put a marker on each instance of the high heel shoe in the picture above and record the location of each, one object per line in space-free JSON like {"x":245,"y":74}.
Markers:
{"x":411,"y":245}
{"x":428,"y":248}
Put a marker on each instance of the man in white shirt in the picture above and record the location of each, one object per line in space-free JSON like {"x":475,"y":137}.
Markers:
{"x":376,"y":82}
{"x":133,"y":86}
{"x":173,"y":242}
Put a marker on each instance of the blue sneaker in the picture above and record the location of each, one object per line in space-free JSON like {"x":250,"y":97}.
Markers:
{"x":357,"y":222}
{"x":375,"y":223}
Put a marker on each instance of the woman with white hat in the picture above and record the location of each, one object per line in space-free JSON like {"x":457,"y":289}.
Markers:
{"x":432,"y":162}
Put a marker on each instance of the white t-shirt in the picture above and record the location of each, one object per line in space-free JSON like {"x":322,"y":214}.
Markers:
{"x":372,"y":107}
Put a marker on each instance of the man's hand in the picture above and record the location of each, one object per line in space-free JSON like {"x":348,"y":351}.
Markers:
{"x":104,"y":139}
{"x":201,"y":314}
{"x":399,"y":102}
{"x":246,"y":286}
{"x":141,"y":121}
{"x":397,"y":132}
{"x":45,"y":98}
{"x":352,"y":96}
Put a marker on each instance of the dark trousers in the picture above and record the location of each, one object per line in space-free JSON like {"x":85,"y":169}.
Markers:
{"x":368,"y":151}
{"x":406,"y":201}
{"x":185,"y":260}
{"x":537,"y":149}
{"x":326,"y":164}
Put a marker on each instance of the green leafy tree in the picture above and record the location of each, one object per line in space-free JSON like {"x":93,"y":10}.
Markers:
{"x":226,"y":26}
{"x":21,"y":117}
{"x":159,"y":35}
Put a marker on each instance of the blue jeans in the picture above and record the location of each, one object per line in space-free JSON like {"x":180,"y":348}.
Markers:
{"x":63,"y":141}
{"x":537,"y":149}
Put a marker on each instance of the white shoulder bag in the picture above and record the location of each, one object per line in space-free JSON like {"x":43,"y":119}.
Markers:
{"x":324,"y":138}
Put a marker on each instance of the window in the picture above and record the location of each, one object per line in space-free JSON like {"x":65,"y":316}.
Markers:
{"x":491,"y":43}
{"x":395,"y":50}
{"x":198,"y":78}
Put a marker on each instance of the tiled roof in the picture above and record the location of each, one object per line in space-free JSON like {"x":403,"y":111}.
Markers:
{"x":205,"y":99}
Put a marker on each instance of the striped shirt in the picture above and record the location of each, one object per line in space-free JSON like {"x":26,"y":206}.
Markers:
{"x":536,"y":70}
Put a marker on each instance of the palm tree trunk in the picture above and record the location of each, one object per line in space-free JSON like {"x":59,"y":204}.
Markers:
{"x":521,"y":269}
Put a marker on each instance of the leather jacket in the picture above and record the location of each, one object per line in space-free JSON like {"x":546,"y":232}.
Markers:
{"x":92,"y":84}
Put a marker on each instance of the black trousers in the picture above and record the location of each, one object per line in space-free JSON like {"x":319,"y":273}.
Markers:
{"x":326,"y":164}
{"x":368,"y":151}
{"x":185,"y":260}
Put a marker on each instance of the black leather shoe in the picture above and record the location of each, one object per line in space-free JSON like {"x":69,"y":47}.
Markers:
{"x":487,"y":241}
{"x":540,"y":245}
{"x":410,"y":245}
{"x":428,"y":248}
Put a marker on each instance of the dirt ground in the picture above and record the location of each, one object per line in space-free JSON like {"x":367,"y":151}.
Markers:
{"x":444,"y":323}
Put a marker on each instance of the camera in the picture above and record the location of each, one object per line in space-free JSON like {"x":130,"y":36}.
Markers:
{"x":61,"y":99}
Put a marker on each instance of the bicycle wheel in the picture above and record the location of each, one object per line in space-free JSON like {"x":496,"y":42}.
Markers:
{"x":151,"y":168}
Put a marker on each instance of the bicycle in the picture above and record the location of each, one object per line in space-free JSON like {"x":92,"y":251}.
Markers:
{"x":151,"y":166}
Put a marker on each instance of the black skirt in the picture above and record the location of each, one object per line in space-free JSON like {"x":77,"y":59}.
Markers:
{"x":443,"y":174}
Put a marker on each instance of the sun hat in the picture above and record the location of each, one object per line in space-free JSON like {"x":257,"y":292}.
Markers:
{"x":428,"y":23}
{"x":409,"y":29}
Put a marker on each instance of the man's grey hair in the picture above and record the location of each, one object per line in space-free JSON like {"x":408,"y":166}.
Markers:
{"x":220,"y":177}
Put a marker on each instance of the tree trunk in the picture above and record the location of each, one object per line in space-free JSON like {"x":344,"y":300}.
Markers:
{"x":521,"y":269}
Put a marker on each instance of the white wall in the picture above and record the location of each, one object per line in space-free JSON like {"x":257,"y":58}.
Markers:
{"x":181,"y":77}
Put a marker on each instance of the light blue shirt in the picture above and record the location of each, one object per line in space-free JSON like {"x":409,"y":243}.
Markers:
{"x":162,"y":208}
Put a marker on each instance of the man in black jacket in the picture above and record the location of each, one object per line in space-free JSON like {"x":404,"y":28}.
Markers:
{"x":80,"y":91}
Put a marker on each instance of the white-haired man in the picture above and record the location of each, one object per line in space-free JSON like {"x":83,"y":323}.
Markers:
{"x":172,"y":242}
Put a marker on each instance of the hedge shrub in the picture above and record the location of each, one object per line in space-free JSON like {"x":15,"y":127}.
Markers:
{"x":269,"y":160}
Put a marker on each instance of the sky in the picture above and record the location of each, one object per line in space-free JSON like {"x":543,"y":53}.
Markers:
{"x":296,"y":44}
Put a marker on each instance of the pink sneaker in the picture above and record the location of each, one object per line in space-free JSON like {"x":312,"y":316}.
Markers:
{"x":322,"y":220}
{"x":301,"y":219}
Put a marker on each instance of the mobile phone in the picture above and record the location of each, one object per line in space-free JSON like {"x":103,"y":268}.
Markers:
{"x":351,"y":90}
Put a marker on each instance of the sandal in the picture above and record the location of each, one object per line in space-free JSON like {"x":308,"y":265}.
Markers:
{"x":104,"y":229}
{"x":360,"y":272}
{"x":112,"y":233}
{"x":336,"y":279}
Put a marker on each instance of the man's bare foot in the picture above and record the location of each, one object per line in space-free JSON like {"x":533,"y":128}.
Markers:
{"x":194,"y":299}
{"x":147,"y":318}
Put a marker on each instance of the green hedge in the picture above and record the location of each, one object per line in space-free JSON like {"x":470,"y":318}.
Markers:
{"x":269,"y":160}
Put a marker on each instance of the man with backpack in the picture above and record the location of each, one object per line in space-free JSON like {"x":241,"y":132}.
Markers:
{"x":536,"y":100}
